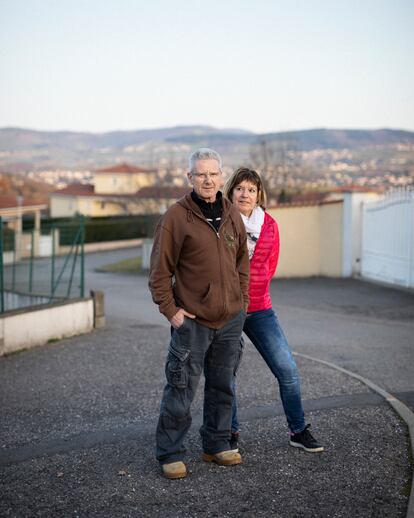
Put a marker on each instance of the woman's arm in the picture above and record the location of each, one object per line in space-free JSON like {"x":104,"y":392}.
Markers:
{"x":274,"y":255}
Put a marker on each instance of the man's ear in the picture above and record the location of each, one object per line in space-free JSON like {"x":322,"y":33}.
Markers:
{"x":190,"y":178}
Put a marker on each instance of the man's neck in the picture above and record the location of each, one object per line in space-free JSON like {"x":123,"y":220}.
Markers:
{"x":212,"y":211}
{"x":200,"y":200}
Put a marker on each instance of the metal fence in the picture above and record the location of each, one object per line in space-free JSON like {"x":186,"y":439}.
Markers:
{"x":39,"y":268}
{"x":388,"y":239}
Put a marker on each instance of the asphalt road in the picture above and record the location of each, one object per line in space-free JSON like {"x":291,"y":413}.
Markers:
{"x":358,"y":325}
{"x":78,"y":416}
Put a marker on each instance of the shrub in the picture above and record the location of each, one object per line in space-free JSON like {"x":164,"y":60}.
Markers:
{"x":100,"y":229}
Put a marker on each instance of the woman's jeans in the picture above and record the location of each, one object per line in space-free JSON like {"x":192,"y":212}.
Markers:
{"x":266,"y":334}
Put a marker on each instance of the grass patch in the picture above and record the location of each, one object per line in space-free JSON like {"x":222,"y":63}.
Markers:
{"x":132,"y":265}
{"x":15,"y":353}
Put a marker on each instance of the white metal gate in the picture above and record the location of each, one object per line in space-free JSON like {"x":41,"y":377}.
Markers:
{"x":388,"y":238}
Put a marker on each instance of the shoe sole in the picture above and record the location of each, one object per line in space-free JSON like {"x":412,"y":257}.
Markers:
{"x":211,"y":458}
{"x":174,"y":476}
{"x":309,"y":450}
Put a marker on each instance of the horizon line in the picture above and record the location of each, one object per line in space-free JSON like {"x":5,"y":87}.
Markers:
{"x":230,"y":128}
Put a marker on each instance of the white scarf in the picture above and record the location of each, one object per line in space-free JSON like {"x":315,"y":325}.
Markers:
{"x":253,"y":226}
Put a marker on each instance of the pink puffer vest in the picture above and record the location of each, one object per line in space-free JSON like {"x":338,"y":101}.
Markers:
{"x":263,"y":265}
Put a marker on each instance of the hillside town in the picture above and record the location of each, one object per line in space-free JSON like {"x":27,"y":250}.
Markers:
{"x":298,"y":165}
{"x":300,"y":176}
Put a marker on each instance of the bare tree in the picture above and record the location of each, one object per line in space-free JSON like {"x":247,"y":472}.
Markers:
{"x":278,"y":162}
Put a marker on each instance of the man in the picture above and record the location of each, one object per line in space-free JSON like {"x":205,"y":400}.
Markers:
{"x":199,"y":279}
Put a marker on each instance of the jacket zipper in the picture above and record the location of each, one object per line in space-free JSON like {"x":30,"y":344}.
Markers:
{"x":218,"y":250}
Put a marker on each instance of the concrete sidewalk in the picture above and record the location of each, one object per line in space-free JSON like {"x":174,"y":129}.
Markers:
{"x":78,"y":419}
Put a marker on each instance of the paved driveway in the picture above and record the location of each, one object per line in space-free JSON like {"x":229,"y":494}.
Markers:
{"x":78,"y":416}
{"x":364,"y":327}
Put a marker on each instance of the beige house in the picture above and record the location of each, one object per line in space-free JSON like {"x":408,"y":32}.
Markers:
{"x":113,"y":193}
{"x":123,"y":179}
{"x":157,"y":199}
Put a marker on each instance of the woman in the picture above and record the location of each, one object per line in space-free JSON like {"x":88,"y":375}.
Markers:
{"x":245,"y":190}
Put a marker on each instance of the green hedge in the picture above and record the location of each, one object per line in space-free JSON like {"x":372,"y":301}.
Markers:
{"x":100,"y":229}
{"x":8,"y":239}
{"x":117,"y":229}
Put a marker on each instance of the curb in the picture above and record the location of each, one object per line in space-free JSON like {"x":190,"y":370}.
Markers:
{"x":402,"y":410}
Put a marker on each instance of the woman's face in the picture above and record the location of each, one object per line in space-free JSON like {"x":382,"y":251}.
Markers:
{"x":244,"y":196}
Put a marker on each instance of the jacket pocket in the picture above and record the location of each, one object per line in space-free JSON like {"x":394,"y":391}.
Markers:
{"x":205,"y":297}
{"x":211,"y":305}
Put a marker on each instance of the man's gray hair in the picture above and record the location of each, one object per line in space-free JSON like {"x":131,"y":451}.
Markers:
{"x":203,"y":153}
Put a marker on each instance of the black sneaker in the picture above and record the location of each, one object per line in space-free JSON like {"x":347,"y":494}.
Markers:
{"x":234,"y":442}
{"x":306,"y":441}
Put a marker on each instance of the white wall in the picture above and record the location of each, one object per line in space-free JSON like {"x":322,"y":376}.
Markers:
{"x":352,"y":231}
{"x":63,"y":206}
{"x":36,"y":326}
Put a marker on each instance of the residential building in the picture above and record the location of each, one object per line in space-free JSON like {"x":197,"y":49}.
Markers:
{"x":12,"y":211}
{"x":113,"y":193}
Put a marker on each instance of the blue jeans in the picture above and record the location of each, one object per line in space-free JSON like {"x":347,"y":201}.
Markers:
{"x":266,"y":334}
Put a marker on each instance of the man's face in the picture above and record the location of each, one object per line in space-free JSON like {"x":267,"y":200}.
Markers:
{"x":206,"y":179}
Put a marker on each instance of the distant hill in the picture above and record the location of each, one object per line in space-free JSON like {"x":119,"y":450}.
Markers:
{"x":14,"y":139}
{"x":23,"y":149}
{"x":306,"y":140}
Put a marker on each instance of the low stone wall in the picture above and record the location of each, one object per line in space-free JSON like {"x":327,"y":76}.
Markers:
{"x":37,"y":325}
{"x":105,"y":245}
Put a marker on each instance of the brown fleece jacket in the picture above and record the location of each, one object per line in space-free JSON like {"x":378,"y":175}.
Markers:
{"x":194,"y":268}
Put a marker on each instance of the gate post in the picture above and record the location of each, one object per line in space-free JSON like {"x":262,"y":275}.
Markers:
{"x":82,"y":256}
{"x":411,"y":252}
{"x":1,"y":268}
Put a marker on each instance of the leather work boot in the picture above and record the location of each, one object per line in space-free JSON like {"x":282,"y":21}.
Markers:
{"x":223,"y":458}
{"x":174,"y":470}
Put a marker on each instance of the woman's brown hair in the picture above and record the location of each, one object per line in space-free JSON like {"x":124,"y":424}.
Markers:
{"x":249,"y":175}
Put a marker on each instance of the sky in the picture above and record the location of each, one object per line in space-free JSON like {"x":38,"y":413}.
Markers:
{"x":262,"y":65}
